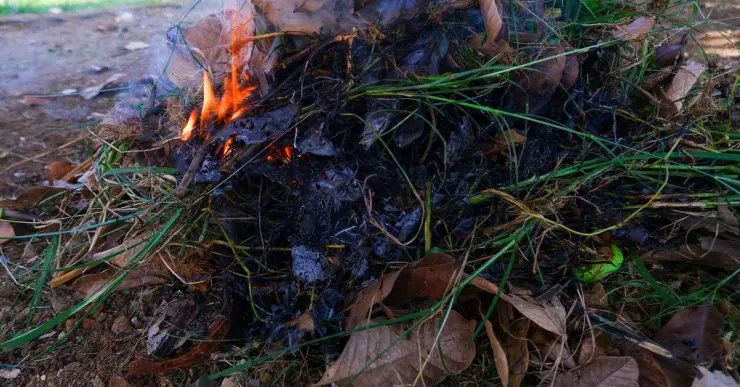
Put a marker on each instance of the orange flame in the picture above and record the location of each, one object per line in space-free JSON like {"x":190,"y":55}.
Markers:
{"x":187,"y":131}
{"x":228,"y":148}
{"x":288,"y":150}
{"x":280,"y":155}
{"x":210,"y":103}
{"x":230,"y":107}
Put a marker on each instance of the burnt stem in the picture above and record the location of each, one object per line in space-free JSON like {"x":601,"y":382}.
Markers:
{"x":199,"y":155}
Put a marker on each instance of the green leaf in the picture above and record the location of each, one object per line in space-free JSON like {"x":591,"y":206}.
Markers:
{"x":598,"y":271}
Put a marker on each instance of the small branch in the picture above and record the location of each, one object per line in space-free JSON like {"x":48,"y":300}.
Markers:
{"x":187,"y":178}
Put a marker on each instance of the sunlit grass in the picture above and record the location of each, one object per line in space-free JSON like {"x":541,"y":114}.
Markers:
{"x":9,"y":7}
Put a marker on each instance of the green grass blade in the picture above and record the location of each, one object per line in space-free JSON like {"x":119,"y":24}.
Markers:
{"x":49,"y":255}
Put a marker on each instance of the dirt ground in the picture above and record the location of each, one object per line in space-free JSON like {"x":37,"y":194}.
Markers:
{"x":43,"y":57}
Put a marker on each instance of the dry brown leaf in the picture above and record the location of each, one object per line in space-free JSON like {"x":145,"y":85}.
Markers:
{"x":198,"y":355}
{"x":596,"y":296}
{"x":308,"y":16}
{"x":304,"y":322}
{"x":206,"y":47}
{"x":668,"y":54}
{"x":403,"y":362}
{"x":80,"y":169}
{"x":499,"y":356}
{"x":549,"y":316}
{"x":429,"y":277}
{"x":30,"y":197}
{"x":677,"y":373}
{"x":57,"y":170}
{"x":711,"y":223}
{"x":167,"y":331}
{"x":531,"y":90}
{"x":6,"y":231}
{"x":725,"y":213}
{"x":695,"y":333}
{"x":551,"y":346}
{"x":593,"y":347}
{"x":492,"y":19}
{"x":570,"y":72}
{"x":682,"y":82}
{"x":125,"y":251}
{"x":485,"y":285}
{"x":494,"y":23}
{"x":694,"y":254}
{"x":35,"y":101}
{"x":368,"y":297}
{"x":640,"y":26}
{"x":517,"y":354}
{"x":502,"y":141}
{"x":607,"y":371}
{"x":728,"y":247}
{"x":155,"y":270}
{"x":651,"y":372}
{"x":492,"y":44}
{"x":92,"y":92}
{"x":141,"y":276}
{"x":118,"y":381}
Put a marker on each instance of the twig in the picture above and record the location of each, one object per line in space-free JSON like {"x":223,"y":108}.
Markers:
{"x":244,"y":41}
{"x":187,"y":178}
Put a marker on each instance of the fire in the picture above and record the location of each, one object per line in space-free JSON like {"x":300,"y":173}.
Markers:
{"x":230,"y":106}
{"x":187,"y":131}
{"x":228,"y":148}
{"x":288,"y":151}
{"x":280,"y":155}
{"x":210,"y":103}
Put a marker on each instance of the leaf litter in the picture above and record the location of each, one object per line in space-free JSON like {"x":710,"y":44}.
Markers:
{"x":602,"y":371}
{"x":341,"y":194}
{"x":426,"y":356}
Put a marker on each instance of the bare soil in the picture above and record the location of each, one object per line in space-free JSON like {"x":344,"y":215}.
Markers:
{"x":44,"y":55}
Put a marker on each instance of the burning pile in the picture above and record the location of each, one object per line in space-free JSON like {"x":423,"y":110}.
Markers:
{"x":326,"y":143}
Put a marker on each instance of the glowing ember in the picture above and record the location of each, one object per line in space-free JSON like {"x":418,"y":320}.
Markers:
{"x":228,"y":148}
{"x":187,"y":131}
{"x":288,"y":151}
{"x":280,"y":155}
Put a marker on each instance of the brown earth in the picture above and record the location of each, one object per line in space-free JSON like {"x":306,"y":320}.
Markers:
{"x":44,"y":55}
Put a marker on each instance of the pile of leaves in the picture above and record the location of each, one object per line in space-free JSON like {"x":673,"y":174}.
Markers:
{"x":419,"y":191}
